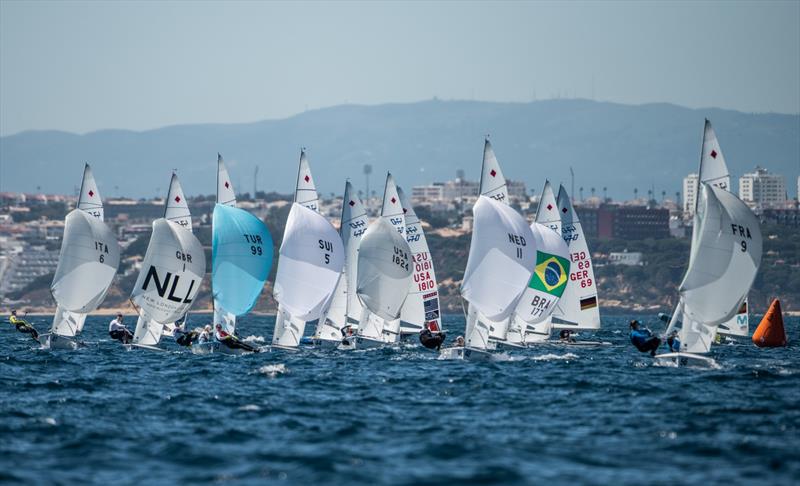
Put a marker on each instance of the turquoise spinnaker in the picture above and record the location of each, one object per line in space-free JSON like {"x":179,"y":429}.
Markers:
{"x":241,"y":258}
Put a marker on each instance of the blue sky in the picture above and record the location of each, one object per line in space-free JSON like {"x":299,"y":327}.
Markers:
{"x":83,"y":66}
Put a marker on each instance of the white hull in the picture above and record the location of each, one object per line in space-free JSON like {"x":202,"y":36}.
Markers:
{"x":452,"y":353}
{"x":473,"y":354}
{"x":204,"y":348}
{"x":55,"y":341}
{"x":367,"y":343}
{"x":131,"y":347}
{"x":685,"y":359}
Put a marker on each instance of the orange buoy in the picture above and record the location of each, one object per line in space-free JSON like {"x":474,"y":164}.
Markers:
{"x":770,"y":332}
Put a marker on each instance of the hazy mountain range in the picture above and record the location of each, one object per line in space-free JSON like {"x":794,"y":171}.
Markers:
{"x":621,"y":147}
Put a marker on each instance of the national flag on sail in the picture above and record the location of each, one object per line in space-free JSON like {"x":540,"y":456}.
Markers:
{"x":589,"y":302}
{"x":550,"y":274}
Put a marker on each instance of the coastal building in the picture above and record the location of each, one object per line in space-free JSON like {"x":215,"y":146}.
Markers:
{"x":689,"y":194}
{"x":631,"y":259}
{"x":760,"y":189}
{"x":614,"y":221}
{"x":781,"y":216}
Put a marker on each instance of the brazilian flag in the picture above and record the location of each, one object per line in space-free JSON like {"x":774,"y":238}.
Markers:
{"x":550,"y":275}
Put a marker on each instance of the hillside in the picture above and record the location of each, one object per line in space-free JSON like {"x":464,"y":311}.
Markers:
{"x":620,"y":147}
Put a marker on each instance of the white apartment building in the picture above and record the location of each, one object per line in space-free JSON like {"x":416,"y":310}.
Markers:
{"x":689,"y":193}
{"x":762,"y":189}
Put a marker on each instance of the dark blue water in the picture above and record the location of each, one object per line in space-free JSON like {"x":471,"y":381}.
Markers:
{"x":396,"y":416}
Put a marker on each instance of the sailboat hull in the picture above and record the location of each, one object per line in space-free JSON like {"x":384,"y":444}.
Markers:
{"x":56,"y":341}
{"x":685,"y":359}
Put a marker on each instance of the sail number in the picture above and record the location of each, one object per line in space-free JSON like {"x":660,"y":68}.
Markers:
{"x":102,"y":248}
{"x":519,"y":241}
{"x":422,"y":271}
{"x":255,"y":244}
{"x":326,"y":246}
{"x":539,"y":305}
{"x":741,"y":231}
{"x":583,"y":264}
{"x":400,"y":258}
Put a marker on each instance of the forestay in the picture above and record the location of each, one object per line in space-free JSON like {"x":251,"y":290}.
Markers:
{"x":578,"y":307}
{"x":310,"y":263}
{"x":422,"y":304}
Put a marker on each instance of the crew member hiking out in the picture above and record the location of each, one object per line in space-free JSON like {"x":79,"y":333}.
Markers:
{"x":184,"y":337}
{"x":22,"y":325}
{"x":233,"y":342}
{"x":643,"y":339}
{"x":118,"y":331}
{"x":429,"y":339}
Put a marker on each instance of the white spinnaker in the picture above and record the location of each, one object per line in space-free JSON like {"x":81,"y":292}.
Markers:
{"x":329,"y":327}
{"x":87,"y":263}
{"x":172,"y":272}
{"x":713,"y":169}
{"x":501,"y":256}
{"x":738,"y":325}
{"x":493,"y":184}
{"x":422,"y":304}
{"x":578,"y":307}
{"x":545,"y":287}
{"x":724,"y":261}
{"x":225,"y":195}
{"x":177,"y":209}
{"x":383,"y":278}
{"x":310,"y":263}
{"x":305,"y":192}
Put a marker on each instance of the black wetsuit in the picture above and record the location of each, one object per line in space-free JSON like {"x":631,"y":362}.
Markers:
{"x":233,"y":342}
{"x":122,"y":335}
{"x":187,"y":338}
{"x":431,"y":340}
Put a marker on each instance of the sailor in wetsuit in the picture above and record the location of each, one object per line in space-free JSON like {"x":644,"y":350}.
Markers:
{"x":233,"y":342}
{"x":565,"y":336}
{"x":347,"y":333}
{"x":429,"y":339}
{"x":643,"y":339}
{"x":22,"y":325}
{"x":118,"y":331}
{"x":183,"y":337}
{"x":673,"y":343}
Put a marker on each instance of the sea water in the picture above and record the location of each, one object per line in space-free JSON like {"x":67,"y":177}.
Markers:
{"x":552,"y":414}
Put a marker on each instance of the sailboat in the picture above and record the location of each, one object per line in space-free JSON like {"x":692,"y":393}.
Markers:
{"x":87,"y":264}
{"x":384,"y":273}
{"x":422,"y":304}
{"x":531,"y":321}
{"x":172,"y":271}
{"x":310,"y":264}
{"x":723,"y":262}
{"x":500,"y":262}
{"x":738,"y":325}
{"x":241,"y":258}
{"x":578,"y":309}
{"x":345,"y":308}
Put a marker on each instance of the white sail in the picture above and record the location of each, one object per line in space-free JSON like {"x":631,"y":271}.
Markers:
{"x":422,"y":304}
{"x":66,"y":322}
{"x":305,"y":192}
{"x":172,"y":272}
{"x":383,"y":278}
{"x":87,"y":263}
{"x":225,"y":192}
{"x":177,"y":209}
{"x":493,"y":184}
{"x":724,"y":260}
{"x":738,"y":325}
{"x":89,"y":199}
{"x":392,"y":208}
{"x":713,"y":169}
{"x":501,"y":257}
{"x":354,"y":225}
{"x":310,"y":263}
{"x":578,"y":307}
{"x":345,"y":308}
